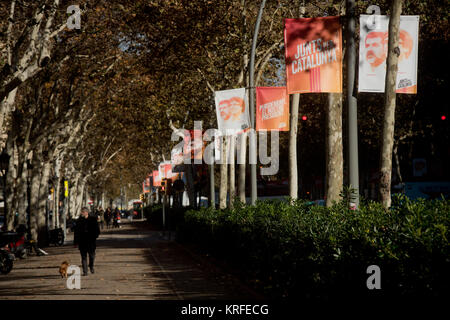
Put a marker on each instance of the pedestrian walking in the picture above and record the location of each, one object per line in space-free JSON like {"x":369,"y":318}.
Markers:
{"x":108,"y":216}
{"x":86,"y":234}
{"x":116,"y":223}
{"x":100,"y":217}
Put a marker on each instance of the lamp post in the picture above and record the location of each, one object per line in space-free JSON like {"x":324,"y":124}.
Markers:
{"x":252,"y":145}
{"x":4,"y":163}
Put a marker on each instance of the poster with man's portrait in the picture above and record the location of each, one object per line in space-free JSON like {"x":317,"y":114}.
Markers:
{"x":232,"y":111}
{"x":373,"y":50}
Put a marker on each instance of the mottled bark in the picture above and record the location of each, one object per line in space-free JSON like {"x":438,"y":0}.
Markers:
{"x":55,"y":220}
{"x":42,"y":210}
{"x":34,"y":196}
{"x":22,"y":185}
{"x":10,"y":181}
{"x":389,"y":104}
{"x":334,"y":156}
{"x":293,"y":173}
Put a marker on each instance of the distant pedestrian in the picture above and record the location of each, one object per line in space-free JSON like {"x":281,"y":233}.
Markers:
{"x":108,"y":217}
{"x":86,"y":234}
{"x":100,"y":217}
{"x":116,"y":223}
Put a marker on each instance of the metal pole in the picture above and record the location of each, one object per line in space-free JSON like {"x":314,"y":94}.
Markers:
{"x":252,"y":145}
{"x":164,"y":213}
{"x":212,"y":191}
{"x":352,"y":106}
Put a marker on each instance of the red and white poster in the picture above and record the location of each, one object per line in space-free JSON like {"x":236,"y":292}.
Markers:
{"x":146,"y":185}
{"x":156,"y":178}
{"x":313,"y":53}
{"x":177,"y":159}
{"x":194,"y":144}
{"x":373,"y":50}
{"x":272,"y":108}
{"x":165,"y":171}
{"x":232,"y":111}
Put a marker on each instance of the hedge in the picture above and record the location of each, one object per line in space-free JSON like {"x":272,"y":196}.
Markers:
{"x":154,"y":214}
{"x":299,"y":250}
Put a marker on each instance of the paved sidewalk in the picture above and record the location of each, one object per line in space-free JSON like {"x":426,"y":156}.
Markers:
{"x":132,"y":262}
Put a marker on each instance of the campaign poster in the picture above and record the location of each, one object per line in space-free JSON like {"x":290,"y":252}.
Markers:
{"x":232,"y":111}
{"x":194,"y":144}
{"x":373,"y":49}
{"x":165,"y":171}
{"x":313,"y":53}
{"x":177,"y":159}
{"x":156,"y":178}
{"x":146,"y":185}
{"x":272,"y":108}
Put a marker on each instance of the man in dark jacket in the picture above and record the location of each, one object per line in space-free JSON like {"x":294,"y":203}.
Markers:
{"x":86,"y":233}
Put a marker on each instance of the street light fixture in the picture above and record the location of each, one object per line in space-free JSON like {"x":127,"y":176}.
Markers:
{"x":4,"y":165}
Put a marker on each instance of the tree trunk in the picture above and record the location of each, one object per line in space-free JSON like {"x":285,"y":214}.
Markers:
{"x":22,"y":193}
{"x":334,"y":156}
{"x":242,"y":141}
{"x":78,"y":198}
{"x":212,"y":184}
{"x":73,"y":195}
{"x":190,"y":184}
{"x":223,"y":174}
{"x":42,"y":204}
{"x":389,"y":104}
{"x":10,"y":181}
{"x":293,"y":174}
{"x":397,"y":162}
{"x":57,"y":194}
{"x":232,"y":148}
{"x":34,"y":200}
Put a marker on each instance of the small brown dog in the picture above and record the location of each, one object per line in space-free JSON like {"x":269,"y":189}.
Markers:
{"x":63,"y":269}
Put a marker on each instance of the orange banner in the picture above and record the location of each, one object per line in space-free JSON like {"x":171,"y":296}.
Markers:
{"x":313,"y":53}
{"x":272,"y":108}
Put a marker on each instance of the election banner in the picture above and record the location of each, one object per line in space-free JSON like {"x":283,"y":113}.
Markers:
{"x":373,"y":49}
{"x":272,"y":108}
{"x":165,"y":171}
{"x":156,"y":178}
{"x":232,"y":111}
{"x":194,"y":144}
{"x":313,"y":53}
{"x":177,"y":159}
{"x":146,"y":185}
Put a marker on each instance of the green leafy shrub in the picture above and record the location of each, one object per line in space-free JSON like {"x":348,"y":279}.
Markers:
{"x":298,"y":250}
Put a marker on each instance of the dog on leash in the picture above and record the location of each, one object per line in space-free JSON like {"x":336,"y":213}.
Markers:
{"x":63,"y":269}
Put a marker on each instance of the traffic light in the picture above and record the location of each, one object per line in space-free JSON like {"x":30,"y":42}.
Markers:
{"x":141,"y":196}
{"x":304,"y":118}
{"x":163,"y":185}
